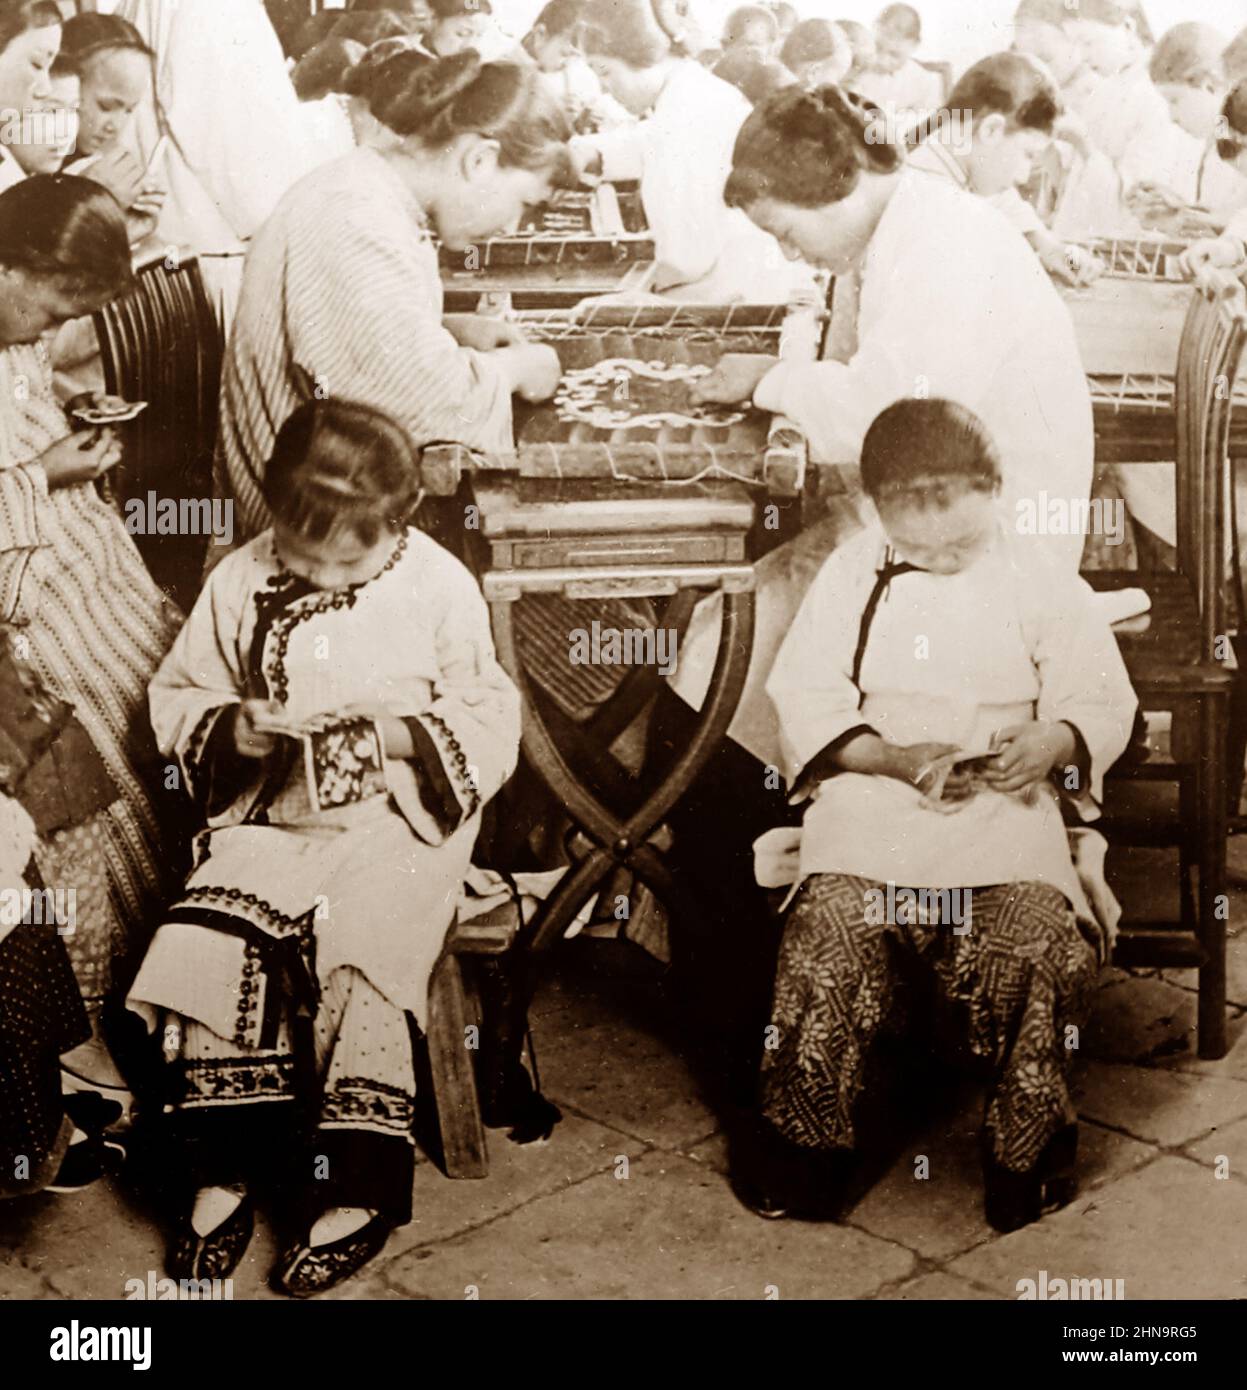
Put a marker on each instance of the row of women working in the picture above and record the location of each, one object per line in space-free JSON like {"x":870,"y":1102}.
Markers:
{"x":248,"y":988}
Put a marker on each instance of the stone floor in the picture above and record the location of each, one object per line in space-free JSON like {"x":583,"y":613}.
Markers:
{"x":629,"y":1200}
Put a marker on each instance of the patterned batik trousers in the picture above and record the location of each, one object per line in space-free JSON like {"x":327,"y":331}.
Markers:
{"x":1008,"y":989}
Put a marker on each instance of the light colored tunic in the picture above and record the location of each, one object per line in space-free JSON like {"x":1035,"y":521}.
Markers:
{"x":933,"y":156}
{"x":1126,"y":118}
{"x":682,"y":155}
{"x":73,"y":585}
{"x":342,"y":296}
{"x":949,"y":659}
{"x":382,"y":876}
{"x":1194,"y":170}
{"x":222,"y":83}
{"x":911,"y":90}
{"x":954,"y":304}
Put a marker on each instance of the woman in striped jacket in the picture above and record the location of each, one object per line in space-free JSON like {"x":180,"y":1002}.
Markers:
{"x":80,"y":614}
{"x":342,"y":294}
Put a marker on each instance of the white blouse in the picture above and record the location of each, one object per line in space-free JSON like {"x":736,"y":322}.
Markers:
{"x":948,"y":659}
{"x":682,"y":155}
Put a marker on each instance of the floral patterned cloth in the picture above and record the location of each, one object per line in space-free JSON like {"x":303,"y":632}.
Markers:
{"x":1011,"y":985}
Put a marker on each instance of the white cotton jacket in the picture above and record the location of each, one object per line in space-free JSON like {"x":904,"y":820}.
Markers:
{"x":955,"y":304}
{"x":682,"y":155}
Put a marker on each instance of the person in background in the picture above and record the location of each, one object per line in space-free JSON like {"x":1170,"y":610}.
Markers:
{"x":54,"y":124}
{"x":843,"y":205}
{"x":226,"y":162}
{"x":1076,"y":188}
{"x":1227,"y":252}
{"x":553,"y":45}
{"x":82,"y":614}
{"x":457,"y":26}
{"x":1235,"y":59}
{"x":1012,"y":106}
{"x":1072,"y":172}
{"x":41,"y":1018}
{"x":690,"y":38}
{"x":1188,"y":180}
{"x":751,"y":29}
{"x":786,"y":20}
{"x":897,"y":82}
{"x":754,"y":78}
{"x":862,"y":43}
{"x":1123,"y":113}
{"x":366,"y":25}
{"x":287,"y":1028}
{"x":817,"y":52}
{"x":1025,"y":672}
{"x":705,"y":252}
{"x":30,"y":38}
{"x":343,"y":291}
{"x":116,"y":75}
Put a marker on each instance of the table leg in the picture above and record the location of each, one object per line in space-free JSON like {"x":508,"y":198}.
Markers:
{"x":625,"y":843}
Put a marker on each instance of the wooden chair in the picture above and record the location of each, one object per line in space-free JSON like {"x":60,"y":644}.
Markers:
{"x":1182,"y":663}
{"x":162,"y":343}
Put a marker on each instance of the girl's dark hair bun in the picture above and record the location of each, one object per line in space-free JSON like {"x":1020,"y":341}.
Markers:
{"x":830,"y":115}
{"x":411,"y":95}
{"x":809,"y":148}
{"x":441,"y":82}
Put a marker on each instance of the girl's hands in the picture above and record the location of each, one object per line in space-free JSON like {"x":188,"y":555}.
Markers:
{"x":143,"y":215}
{"x":255,"y":734}
{"x":1215,"y":264}
{"x":915,"y":763}
{"x":81,"y":457}
{"x":734,"y":379}
{"x":1028,"y":753}
{"x":121,"y":173}
{"x":1072,"y":265}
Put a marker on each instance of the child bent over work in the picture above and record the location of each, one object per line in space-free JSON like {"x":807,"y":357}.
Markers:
{"x":937,"y":633}
{"x":337,"y":710}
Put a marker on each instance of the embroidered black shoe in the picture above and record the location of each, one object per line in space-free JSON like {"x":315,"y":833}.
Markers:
{"x":305,"y":1270}
{"x":216,"y":1255}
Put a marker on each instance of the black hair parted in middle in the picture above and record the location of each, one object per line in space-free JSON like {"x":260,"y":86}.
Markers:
{"x":340,"y":466}
{"x":809,"y":149}
{"x":919,"y":446}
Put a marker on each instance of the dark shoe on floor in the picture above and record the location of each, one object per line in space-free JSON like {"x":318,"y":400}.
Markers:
{"x":304,"y":1270}
{"x":216,"y":1255}
{"x":85,"y":1162}
{"x":1013,"y":1200}
{"x":90,"y":1111}
{"x":777,"y":1179}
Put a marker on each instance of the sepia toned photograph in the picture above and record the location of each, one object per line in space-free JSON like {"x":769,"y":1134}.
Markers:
{"x":622,"y":637}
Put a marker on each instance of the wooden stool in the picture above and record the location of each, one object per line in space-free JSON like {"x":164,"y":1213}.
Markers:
{"x":454,"y":1012}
